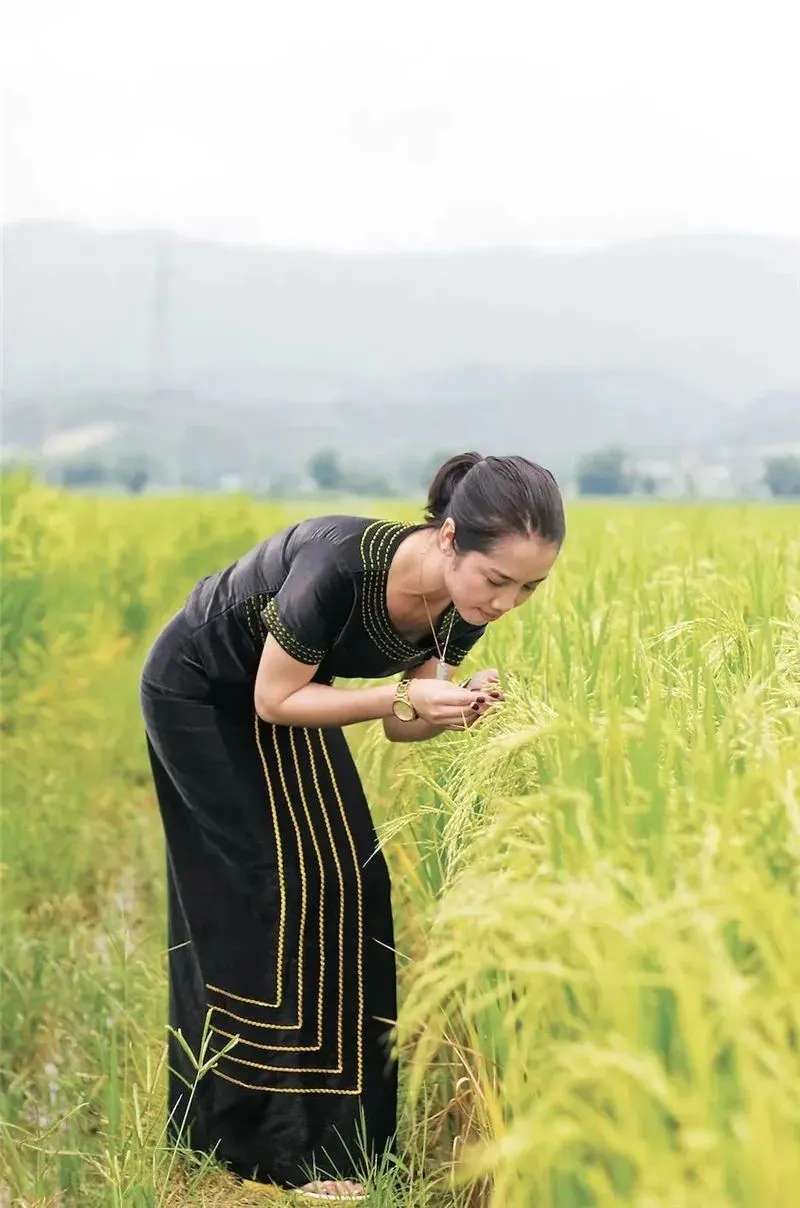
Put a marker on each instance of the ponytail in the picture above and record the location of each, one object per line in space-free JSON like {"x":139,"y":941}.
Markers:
{"x":445,"y":481}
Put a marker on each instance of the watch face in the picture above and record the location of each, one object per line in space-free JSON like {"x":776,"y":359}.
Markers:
{"x":403,"y":710}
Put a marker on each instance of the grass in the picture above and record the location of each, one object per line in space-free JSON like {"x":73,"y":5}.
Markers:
{"x":596,"y":889}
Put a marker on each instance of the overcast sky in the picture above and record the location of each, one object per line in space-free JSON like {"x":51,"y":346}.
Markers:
{"x":376,"y":126}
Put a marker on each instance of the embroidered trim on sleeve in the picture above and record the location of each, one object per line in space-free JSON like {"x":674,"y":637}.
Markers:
{"x":455,"y":655}
{"x":288,"y":640}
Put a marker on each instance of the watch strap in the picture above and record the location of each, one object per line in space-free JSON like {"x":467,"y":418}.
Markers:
{"x":401,"y":693}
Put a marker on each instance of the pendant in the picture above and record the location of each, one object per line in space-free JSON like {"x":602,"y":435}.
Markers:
{"x":441,"y":669}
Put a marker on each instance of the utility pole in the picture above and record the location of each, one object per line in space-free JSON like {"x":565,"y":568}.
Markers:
{"x":161,"y":367}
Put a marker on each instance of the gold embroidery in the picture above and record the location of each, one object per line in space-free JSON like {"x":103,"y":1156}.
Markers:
{"x":245,"y":610}
{"x":310,"y":1048}
{"x":359,"y":956}
{"x":282,"y":891}
{"x":303,"y":897}
{"x":370,"y":586}
{"x":458,"y":655}
{"x":378,"y":542}
{"x":292,"y":644}
{"x":249,"y":607}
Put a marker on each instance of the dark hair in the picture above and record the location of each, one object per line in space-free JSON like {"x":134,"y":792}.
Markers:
{"x":490,"y":497}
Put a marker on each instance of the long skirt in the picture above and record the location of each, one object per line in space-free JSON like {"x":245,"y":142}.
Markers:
{"x":279,"y":934}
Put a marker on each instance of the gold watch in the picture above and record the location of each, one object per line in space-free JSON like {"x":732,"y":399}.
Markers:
{"x":401,"y":705}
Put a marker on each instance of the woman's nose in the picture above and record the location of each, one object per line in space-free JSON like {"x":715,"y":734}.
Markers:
{"x":502,"y":604}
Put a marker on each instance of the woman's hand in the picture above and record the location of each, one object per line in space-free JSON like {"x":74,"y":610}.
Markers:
{"x":487,"y":685}
{"x":487,"y":682}
{"x":443,"y":704}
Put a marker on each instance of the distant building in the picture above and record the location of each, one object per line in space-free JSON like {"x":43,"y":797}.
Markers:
{"x":710,"y":480}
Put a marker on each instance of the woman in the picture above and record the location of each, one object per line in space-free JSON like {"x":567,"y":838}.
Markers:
{"x":280,"y":920}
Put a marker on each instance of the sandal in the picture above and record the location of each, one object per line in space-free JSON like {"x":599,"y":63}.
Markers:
{"x":305,"y":1196}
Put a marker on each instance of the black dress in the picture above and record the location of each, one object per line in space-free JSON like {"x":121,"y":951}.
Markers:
{"x":279,"y":905}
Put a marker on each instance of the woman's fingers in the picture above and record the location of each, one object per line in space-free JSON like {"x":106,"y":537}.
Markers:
{"x":469,"y":715}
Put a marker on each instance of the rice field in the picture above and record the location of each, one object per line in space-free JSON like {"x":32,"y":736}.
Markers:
{"x":596,"y":889}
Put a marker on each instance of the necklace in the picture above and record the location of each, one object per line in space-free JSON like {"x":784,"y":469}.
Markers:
{"x":441,"y":667}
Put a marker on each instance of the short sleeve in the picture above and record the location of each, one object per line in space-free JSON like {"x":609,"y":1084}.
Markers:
{"x":311,"y":607}
{"x":464,"y":638}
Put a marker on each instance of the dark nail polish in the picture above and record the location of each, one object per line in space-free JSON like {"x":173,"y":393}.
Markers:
{"x":475,"y":706}
{"x":481,"y":699}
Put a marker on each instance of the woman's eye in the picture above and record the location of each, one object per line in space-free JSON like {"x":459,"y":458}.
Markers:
{"x":494,"y":584}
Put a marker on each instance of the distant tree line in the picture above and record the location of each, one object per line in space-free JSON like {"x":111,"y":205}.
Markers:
{"x":601,"y":472}
{"x":132,"y":473}
{"x":782,"y":475}
{"x":328,"y":474}
{"x":604,"y":472}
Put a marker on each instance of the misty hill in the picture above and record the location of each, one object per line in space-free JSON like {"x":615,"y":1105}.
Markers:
{"x":772,"y":418}
{"x":544,"y":415}
{"x":655,"y":342}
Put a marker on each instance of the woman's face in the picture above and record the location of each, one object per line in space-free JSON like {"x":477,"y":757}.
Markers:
{"x":486,"y":586}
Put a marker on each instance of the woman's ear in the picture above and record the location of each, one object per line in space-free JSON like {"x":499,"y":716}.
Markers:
{"x":446,"y":534}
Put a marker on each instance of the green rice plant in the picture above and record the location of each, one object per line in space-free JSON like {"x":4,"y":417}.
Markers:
{"x":595,"y":888}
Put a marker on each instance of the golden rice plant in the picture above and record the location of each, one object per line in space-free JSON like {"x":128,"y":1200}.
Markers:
{"x":595,"y":888}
